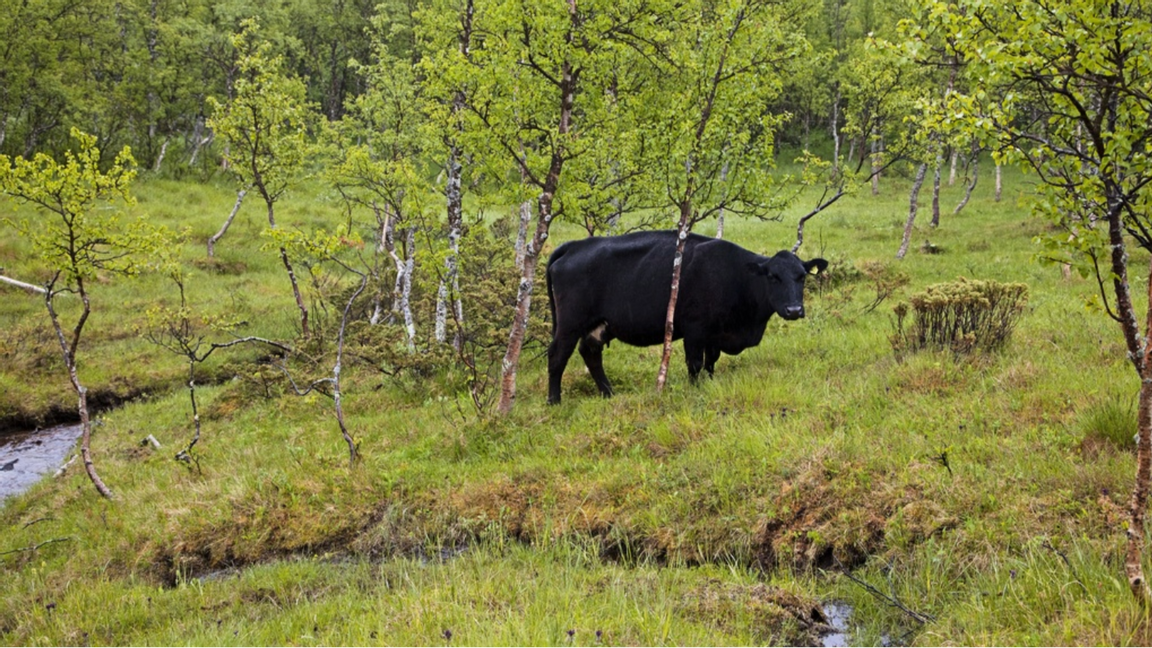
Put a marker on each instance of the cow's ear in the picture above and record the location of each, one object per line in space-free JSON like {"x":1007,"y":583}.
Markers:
{"x":757,"y":268}
{"x":820,"y":264}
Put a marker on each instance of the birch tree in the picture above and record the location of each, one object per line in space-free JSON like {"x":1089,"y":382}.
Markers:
{"x":539,"y":101}
{"x":710,"y":137}
{"x":75,"y":240}
{"x":1073,"y":106}
{"x":265,"y":124}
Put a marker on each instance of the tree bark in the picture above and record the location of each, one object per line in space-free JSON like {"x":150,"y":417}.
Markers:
{"x":835,"y":127}
{"x":26,"y":286}
{"x":228,"y":223}
{"x":876,"y":162}
{"x":1138,"y":350}
{"x":670,"y":314}
{"x":913,"y":205}
{"x":288,"y":266}
{"x":936,"y":190}
{"x":568,"y":82}
{"x":999,"y":182}
{"x":522,"y":233}
{"x":454,"y":196}
{"x":523,"y":305}
{"x":68,"y":348}
{"x":160,"y":156}
{"x":972,"y":184}
{"x":449,"y":290}
{"x":952,"y":167}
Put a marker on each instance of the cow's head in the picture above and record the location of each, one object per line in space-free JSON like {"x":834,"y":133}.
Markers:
{"x":785,"y":275}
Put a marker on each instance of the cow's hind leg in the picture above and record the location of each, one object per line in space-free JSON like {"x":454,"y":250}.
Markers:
{"x":694,"y":354}
{"x":592,"y":350}
{"x":559,"y":351}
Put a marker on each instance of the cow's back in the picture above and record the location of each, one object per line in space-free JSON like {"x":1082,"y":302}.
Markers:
{"x":624,"y":281}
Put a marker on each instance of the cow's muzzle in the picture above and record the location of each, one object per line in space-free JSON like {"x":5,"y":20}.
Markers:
{"x":793,"y":313}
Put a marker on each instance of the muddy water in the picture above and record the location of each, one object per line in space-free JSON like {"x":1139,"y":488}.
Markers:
{"x":838,"y":614}
{"x":26,"y":457}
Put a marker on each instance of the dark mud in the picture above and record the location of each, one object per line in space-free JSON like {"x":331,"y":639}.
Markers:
{"x":25,"y":458}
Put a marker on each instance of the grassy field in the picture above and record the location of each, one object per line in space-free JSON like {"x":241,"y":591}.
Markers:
{"x":984,"y":494}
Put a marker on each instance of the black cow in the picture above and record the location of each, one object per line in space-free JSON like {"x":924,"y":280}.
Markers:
{"x":617,"y":288}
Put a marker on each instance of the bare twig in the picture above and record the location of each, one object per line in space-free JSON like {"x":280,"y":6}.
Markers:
{"x":38,"y":520}
{"x":1067,"y":563}
{"x":919,"y":617}
{"x":36,"y":546}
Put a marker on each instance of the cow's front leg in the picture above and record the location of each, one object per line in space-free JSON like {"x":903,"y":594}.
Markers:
{"x":711,"y":355}
{"x":694,"y":354}
{"x":593,"y":353}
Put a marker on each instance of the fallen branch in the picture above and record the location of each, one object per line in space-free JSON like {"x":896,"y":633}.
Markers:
{"x":26,"y":286}
{"x":1067,"y":563}
{"x":63,"y":468}
{"x":919,"y":617}
{"x":38,"y":520}
{"x":36,"y":546}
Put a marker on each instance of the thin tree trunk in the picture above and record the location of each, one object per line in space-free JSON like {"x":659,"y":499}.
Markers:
{"x":971,"y":185}
{"x":522,"y":233}
{"x":228,"y":223}
{"x":568,"y":82}
{"x":670,"y":314}
{"x":449,"y":289}
{"x":952,"y":167}
{"x":160,"y":157}
{"x":999,"y":182}
{"x":523,"y":305}
{"x":69,"y":353}
{"x":337,"y":398}
{"x":291,"y":272}
{"x":835,"y":127}
{"x":913,"y":205}
{"x":876,"y":162}
{"x":381,"y":246}
{"x":406,"y":288}
{"x":936,"y":190}
{"x":455,"y":198}
{"x":1138,"y":352}
{"x":198,"y":142}
{"x":720,"y":211}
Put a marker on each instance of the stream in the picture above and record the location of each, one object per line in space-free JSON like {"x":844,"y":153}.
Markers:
{"x":26,"y":457}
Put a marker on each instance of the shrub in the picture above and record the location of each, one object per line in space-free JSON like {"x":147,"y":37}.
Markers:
{"x":964,"y":316}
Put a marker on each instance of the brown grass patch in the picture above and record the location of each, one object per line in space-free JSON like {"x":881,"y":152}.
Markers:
{"x":835,"y":514}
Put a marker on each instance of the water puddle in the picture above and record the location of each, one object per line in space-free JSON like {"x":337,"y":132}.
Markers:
{"x":837,"y":614}
{"x":26,"y":457}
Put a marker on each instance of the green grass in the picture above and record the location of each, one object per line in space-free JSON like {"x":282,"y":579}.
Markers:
{"x":707,"y":514}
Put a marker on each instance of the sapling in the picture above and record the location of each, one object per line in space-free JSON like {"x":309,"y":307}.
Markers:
{"x":186,"y":334}
{"x":77,"y":234}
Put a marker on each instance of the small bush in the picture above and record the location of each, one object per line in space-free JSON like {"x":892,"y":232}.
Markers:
{"x":964,"y":316}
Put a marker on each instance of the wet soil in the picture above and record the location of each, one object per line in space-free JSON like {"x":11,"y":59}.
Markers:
{"x":26,"y":457}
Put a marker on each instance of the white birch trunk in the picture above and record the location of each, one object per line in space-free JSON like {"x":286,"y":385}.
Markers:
{"x":913,"y":205}
{"x":160,"y":156}
{"x":875,"y":144}
{"x":228,"y":223}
